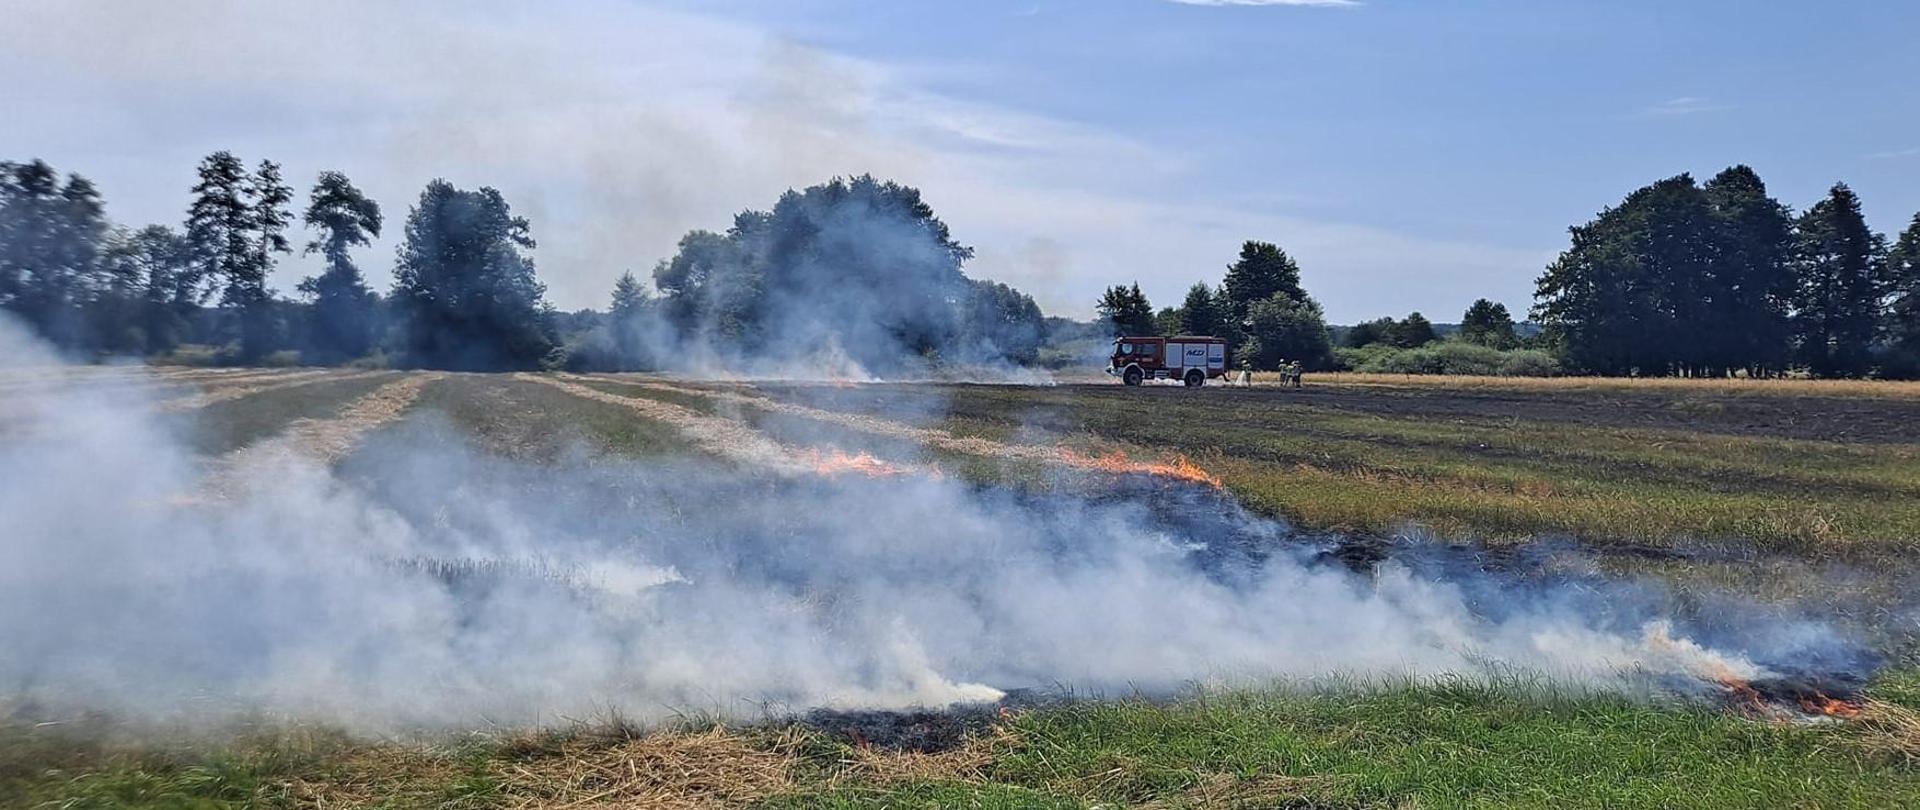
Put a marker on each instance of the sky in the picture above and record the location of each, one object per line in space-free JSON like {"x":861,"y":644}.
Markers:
{"x":1411,"y":154}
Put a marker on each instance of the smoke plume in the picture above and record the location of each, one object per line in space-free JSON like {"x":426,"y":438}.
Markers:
{"x":422,"y":583}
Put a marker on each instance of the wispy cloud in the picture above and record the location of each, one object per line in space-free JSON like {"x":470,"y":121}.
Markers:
{"x":1895,"y":153}
{"x":1684,"y":105}
{"x":1319,"y":3}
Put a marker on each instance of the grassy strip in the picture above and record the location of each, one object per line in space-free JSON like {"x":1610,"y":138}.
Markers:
{"x":1496,"y":478}
{"x":1886,"y":389}
{"x":535,"y":422}
{"x":222,"y":427}
{"x":1433,"y":746}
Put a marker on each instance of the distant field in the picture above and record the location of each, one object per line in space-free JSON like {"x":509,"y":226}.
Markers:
{"x":1808,"y":467}
{"x":1795,"y":492}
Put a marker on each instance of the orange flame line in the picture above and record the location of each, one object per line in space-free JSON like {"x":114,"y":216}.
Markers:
{"x":1118,"y":462}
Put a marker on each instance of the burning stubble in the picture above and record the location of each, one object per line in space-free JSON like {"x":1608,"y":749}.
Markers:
{"x":424,"y":584}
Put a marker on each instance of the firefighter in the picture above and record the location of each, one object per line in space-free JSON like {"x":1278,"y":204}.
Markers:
{"x":1246,"y":371}
{"x":1293,"y":373}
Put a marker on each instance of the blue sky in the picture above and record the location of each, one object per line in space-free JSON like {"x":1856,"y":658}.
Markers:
{"x":1413,"y":155}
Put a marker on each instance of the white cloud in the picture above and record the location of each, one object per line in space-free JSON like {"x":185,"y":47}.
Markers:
{"x":1895,"y":153}
{"x":1684,"y":105}
{"x":616,"y":128}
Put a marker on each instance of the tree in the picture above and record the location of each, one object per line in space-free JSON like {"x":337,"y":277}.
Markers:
{"x":1635,"y":291}
{"x":1488,"y":324}
{"x":1412,"y":332}
{"x":343,"y":316}
{"x":1837,"y":307}
{"x":267,"y":198}
{"x":467,"y":296}
{"x":627,"y":316}
{"x":1200,"y":313}
{"x":163,"y":263}
{"x":52,"y":236}
{"x":1166,"y":322}
{"x":1753,"y":282}
{"x":855,"y":268}
{"x":1126,"y":311}
{"x":1001,"y":321}
{"x":1283,"y":328}
{"x":1903,"y":285}
{"x":1378,"y":330}
{"x":1262,"y":270}
{"x":219,"y":230}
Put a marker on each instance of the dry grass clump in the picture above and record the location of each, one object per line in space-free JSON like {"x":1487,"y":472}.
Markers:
{"x":1888,"y":728}
{"x":714,"y":768}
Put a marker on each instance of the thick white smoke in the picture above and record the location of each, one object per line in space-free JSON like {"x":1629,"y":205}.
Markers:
{"x":424,"y":584}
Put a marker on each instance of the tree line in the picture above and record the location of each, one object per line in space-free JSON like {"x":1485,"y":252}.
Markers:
{"x":1259,"y":307}
{"x":855,"y":268}
{"x":1679,"y":279}
{"x":1687,"y":279}
{"x":465,"y":294}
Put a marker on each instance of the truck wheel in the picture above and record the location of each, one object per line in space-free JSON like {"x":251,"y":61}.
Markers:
{"x":1195,"y":379}
{"x":1132,"y":376}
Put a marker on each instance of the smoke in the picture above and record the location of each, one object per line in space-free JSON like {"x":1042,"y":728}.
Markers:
{"x":423,"y":583}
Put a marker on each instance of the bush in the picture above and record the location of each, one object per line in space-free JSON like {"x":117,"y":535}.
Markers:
{"x":285,"y":358}
{"x":1449,"y":357}
{"x":1530,"y":363}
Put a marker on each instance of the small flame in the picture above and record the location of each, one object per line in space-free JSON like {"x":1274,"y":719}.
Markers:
{"x":1119,"y":462}
{"x":839,"y":461}
{"x":1823,"y":706}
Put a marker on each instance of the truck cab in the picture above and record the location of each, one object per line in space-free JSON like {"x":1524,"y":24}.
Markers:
{"x":1191,"y":359}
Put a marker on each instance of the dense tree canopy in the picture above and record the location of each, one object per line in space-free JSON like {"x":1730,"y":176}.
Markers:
{"x":1837,"y":303}
{"x":857,"y":268}
{"x":1283,"y":329}
{"x":1262,"y":270}
{"x":1487,"y":323}
{"x":466,"y":295}
{"x":1126,"y":311}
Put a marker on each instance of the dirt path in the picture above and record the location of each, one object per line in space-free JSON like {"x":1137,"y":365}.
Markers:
{"x":732,"y":439}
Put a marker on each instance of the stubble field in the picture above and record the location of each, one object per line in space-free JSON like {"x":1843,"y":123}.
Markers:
{"x":1737,"y":509}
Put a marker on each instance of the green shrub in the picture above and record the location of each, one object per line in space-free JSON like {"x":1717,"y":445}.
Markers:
{"x":1448,"y":357}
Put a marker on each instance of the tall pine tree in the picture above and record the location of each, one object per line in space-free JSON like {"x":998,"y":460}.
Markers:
{"x":1903,"y":311}
{"x":344,"y":309}
{"x":1837,"y":305}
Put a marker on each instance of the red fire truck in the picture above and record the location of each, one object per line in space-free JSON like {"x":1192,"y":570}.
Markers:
{"x":1187,"y":358}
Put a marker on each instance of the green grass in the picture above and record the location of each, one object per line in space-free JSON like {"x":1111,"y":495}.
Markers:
{"x":535,"y":422}
{"x":1469,"y":474}
{"x":1444,"y":745}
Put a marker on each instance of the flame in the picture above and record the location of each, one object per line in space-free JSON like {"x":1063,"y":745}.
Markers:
{"x":839,"y":461}
{"x":1749,"y":701}
{"x":1119,"y":462}
{"x":1822,"y":706}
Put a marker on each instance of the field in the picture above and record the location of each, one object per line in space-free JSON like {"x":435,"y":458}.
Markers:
{"x":1740,"y":508}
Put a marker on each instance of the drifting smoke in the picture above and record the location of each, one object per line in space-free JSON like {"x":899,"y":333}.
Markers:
{"x":851,"y":279}
{"x":425,"y":584}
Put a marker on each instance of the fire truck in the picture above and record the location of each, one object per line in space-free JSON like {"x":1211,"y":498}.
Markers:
{"x":1187,"y":358}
